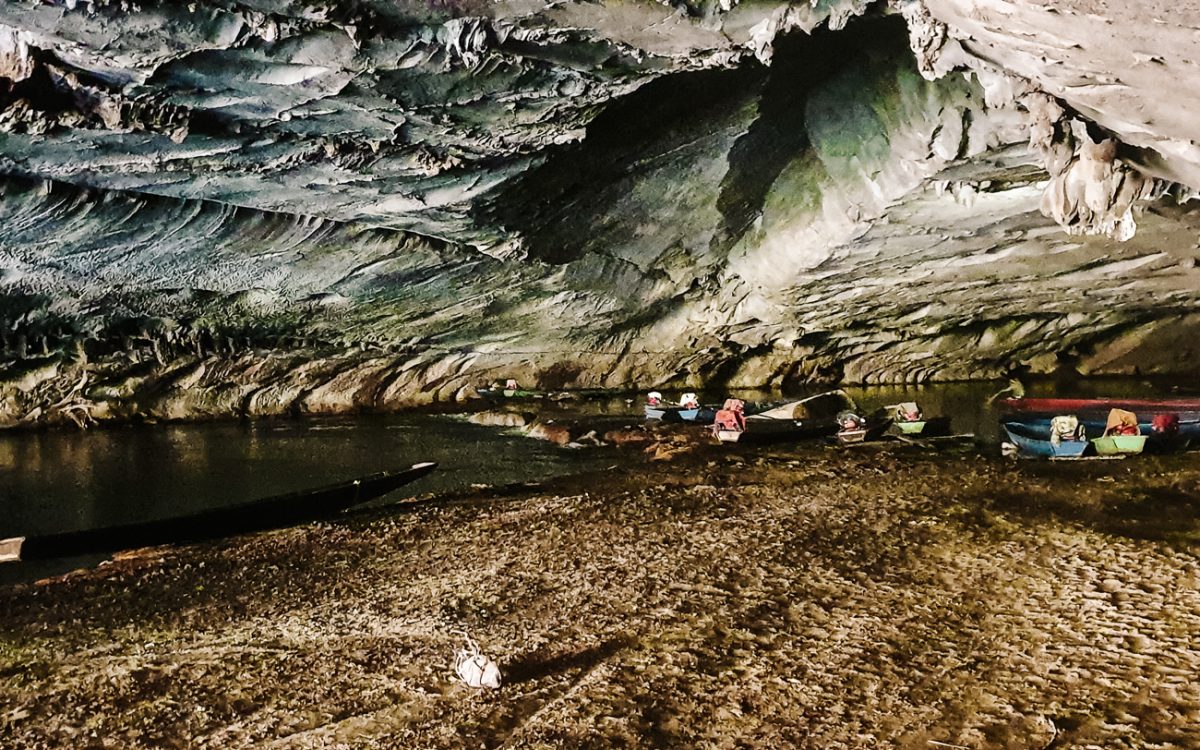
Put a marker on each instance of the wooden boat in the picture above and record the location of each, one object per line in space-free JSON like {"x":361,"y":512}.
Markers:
{"x":699,"y":415}
{"x":663,"y":413}
{"x":911,"y":428}
{"x":1181,"y":438}
{"x":872,"y":430}
{"x":812,"y":417}
{"x":766,"y":430}
{"x":498,"y":394}
{"x":907,"y":419}
{"x":1113,"y":445}
{"x":729,"y":436}
{"x":1187,"y":409}
{"x":1036,"y":442}
{"x":258,"y":515}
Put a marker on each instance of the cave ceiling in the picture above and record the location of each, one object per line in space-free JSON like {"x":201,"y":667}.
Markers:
{"x":753,"y":192}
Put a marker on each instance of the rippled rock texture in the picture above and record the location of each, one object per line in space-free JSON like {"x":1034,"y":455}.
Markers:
{"x":277,"y":206}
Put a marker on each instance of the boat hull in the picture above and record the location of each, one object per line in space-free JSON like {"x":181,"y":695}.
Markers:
{"x":259,"y":515}
{"x":1140,"y":406}
{"x":847,"y":437}
{"x":1034,"y":444}
{"x":699,"y":415}
{"x":1187,"y":435}
{"x":662,"y":413}
{"x":500,"y":394}
{"x":766,"y":431}
{"x":812,"y":417}
{"x":1115,"y":445}
{"x":862,"y":434}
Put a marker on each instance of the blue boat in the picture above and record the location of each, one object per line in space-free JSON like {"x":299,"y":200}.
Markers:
{"x":1186,"y":432}
{"x":662,"y":412}
{"x":1034,"y":441}
{"x":699,"y":415}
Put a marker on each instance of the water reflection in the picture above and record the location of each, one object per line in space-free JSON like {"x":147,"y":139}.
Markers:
{"x":61,"y":481}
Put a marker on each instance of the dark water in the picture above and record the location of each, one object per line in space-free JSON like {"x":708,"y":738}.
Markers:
{"x":67,"y":480}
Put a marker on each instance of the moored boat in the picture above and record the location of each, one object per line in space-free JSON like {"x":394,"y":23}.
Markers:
{"x":1185,"y":408}
{"x":853,"y":428}
{"x":1164,"y":433}
{"x":911,"y":428}
{"x":662,"y":413}
{"x":1118,"y":444}
{"x":729,"y":424}
{"x":908,"y":418}
{"x":493,"y":393}
{"x":700,"y":414}
{"x":688,"y":410}
{"x":259,"y":515}
{"x":1122,"y":435}
{"x":812,"y":417}
{"x":1036,"y":442}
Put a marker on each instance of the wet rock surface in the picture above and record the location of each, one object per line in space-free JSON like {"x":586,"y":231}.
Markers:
{"x":583,"y":194}
{"x":810,"y":598}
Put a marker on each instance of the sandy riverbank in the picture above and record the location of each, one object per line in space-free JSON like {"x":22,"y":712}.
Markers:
{"x":817,"y":598}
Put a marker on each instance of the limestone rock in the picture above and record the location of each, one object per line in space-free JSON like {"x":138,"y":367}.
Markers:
{"x":372,"y":205}
{"x":500,"y":419}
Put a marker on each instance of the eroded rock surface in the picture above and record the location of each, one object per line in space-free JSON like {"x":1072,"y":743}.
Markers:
{"x":263,"y":207}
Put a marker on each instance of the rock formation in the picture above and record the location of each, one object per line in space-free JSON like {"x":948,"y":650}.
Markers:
{"x":264,"y":206}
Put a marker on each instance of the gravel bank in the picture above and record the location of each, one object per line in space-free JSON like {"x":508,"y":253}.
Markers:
{"x":819,"y":599}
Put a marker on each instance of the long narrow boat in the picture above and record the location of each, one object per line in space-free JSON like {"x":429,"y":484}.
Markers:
{"x":1034,"y":442}
{"x":812,"y":417}
{"x":1184,"y":435}
{"x":258,"y":515}
{"x":1142,"y":406}
{"x":500,"y":394}
{"x":764,"y":430}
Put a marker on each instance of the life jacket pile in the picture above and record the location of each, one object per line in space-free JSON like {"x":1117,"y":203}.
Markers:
{"x":1121,"y":422}
{"x":848,"y":420}
{"x":908,"y":412}
{"x":731,"y":417}
{"x":1065,"y":428}
{"x":1165,"y":424}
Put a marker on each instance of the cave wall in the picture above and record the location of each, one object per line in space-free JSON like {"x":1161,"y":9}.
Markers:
{"x":272,"y":207}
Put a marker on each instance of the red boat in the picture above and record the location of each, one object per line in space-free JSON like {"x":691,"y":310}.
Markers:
{"x":1147,"y":406}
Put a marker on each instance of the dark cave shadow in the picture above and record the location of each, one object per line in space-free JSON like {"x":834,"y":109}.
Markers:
{"x":1153,"y":514}
{"x":800,"y":64}
{"x":550,"y":203}
{"x":555,"y":205}
{"x":538,"y":664}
